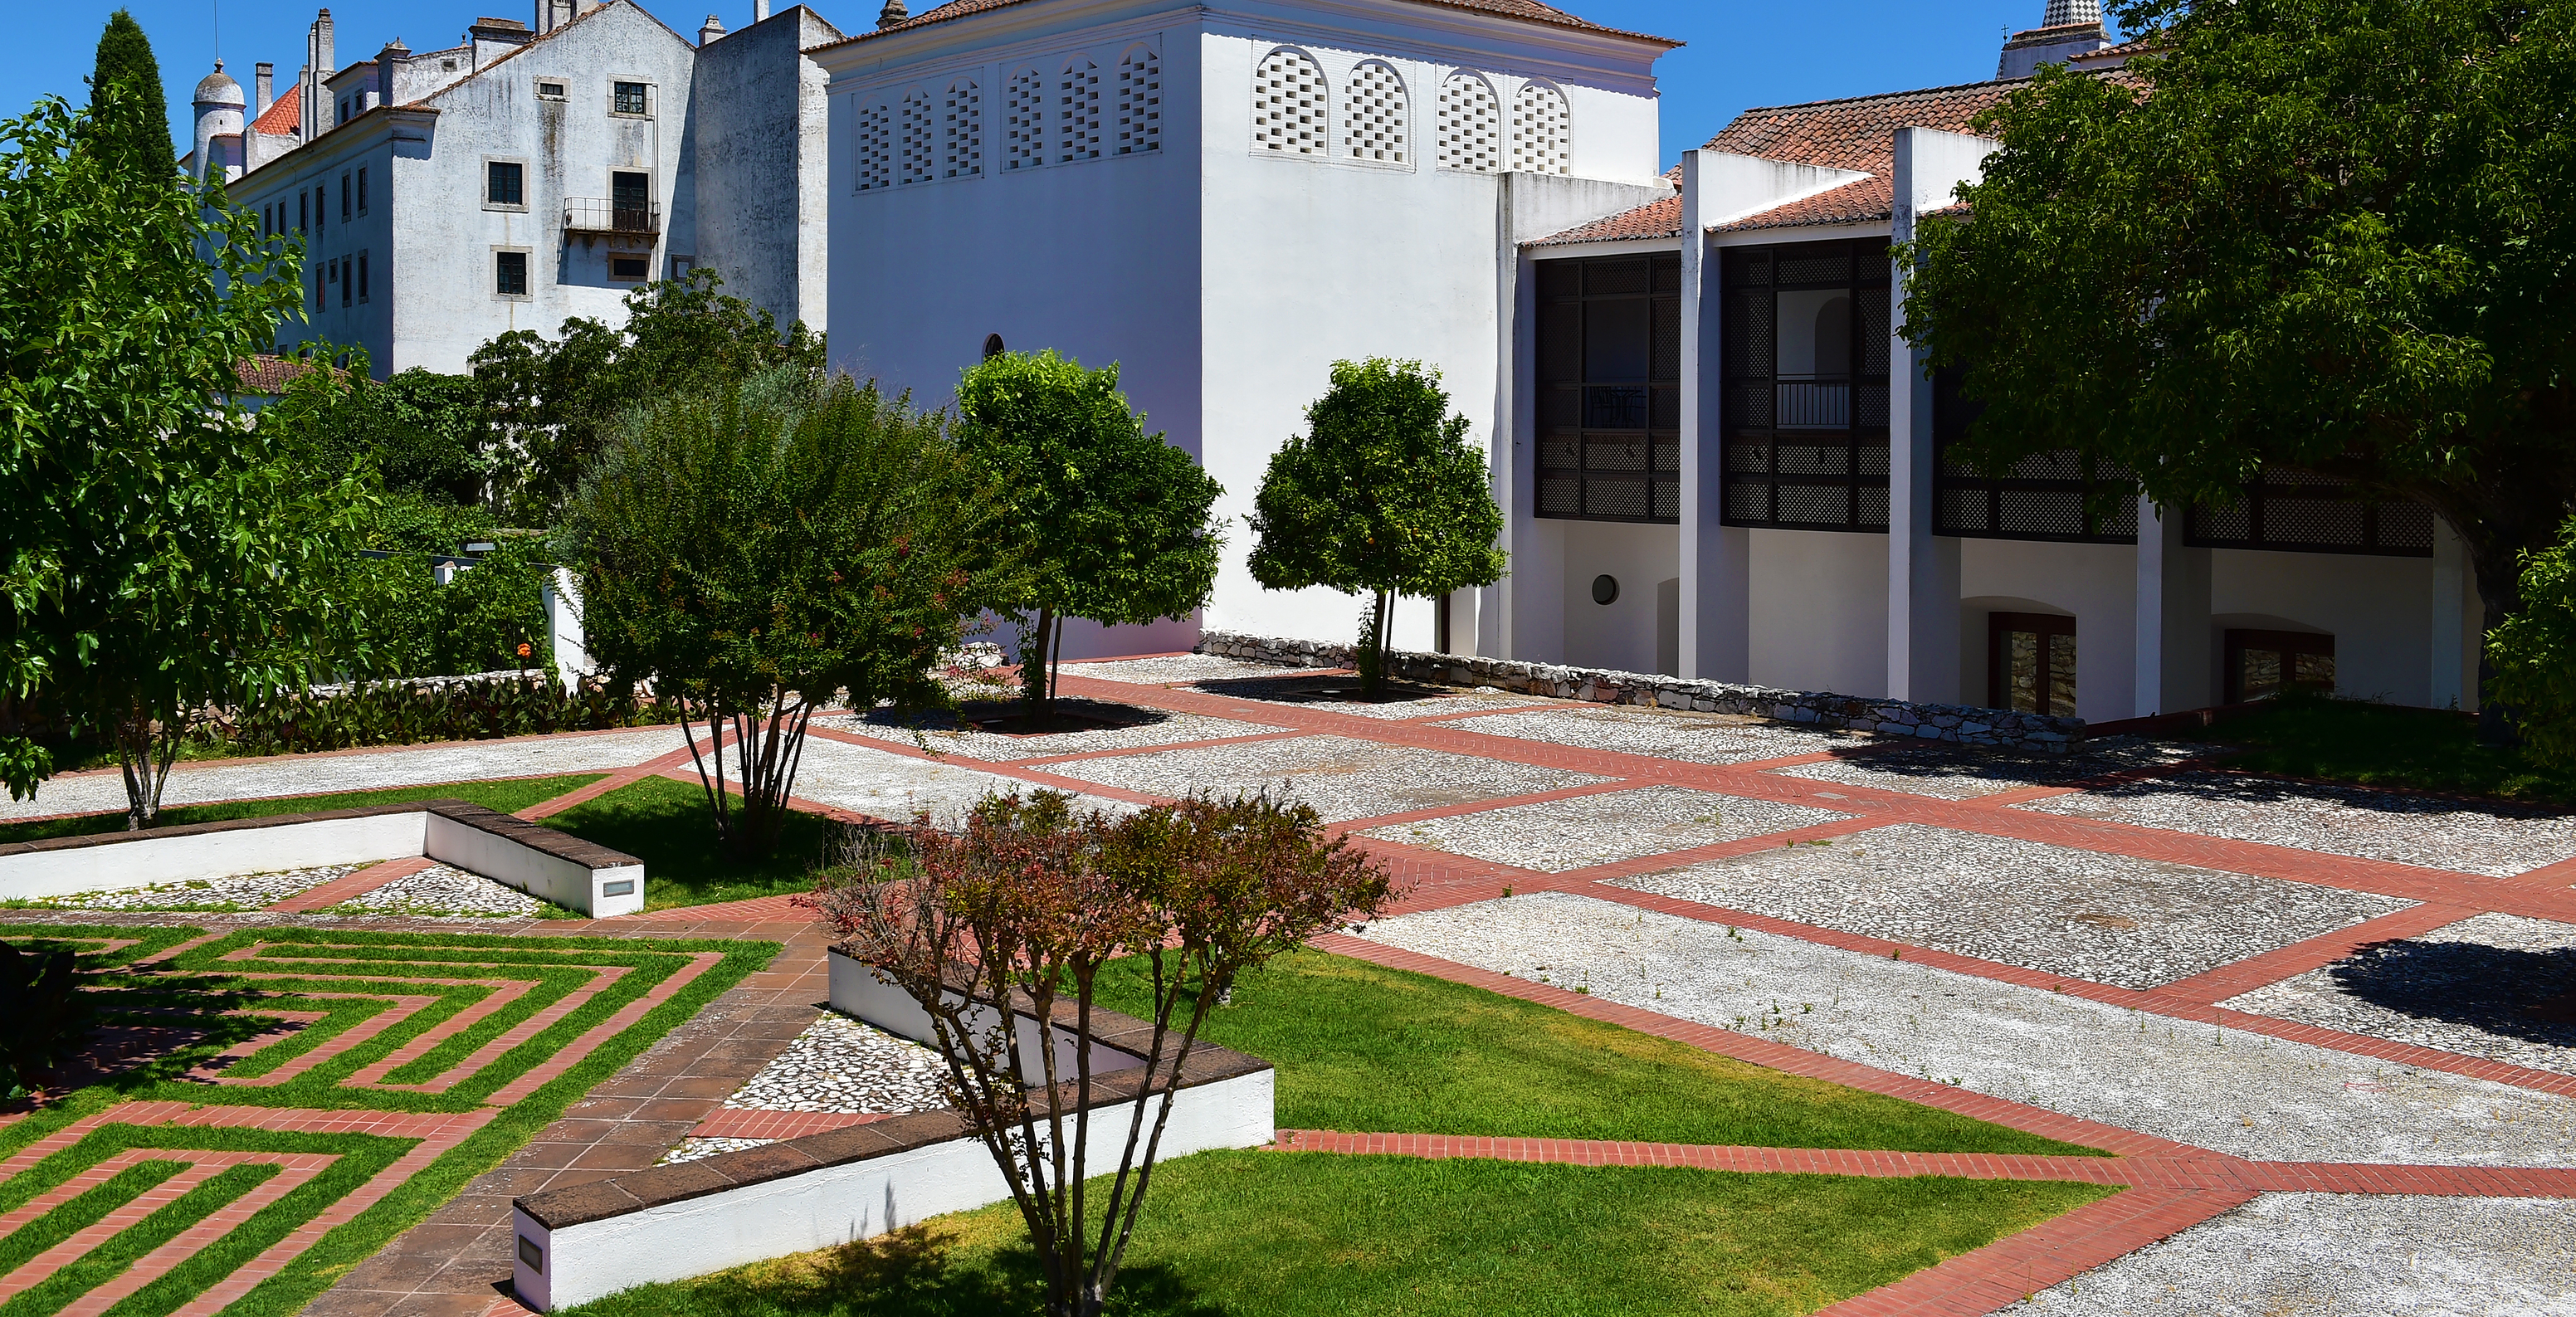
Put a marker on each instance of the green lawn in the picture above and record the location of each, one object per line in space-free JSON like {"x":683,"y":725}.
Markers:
{"x":666,"y":824}
{"x":1361,"y":1047}
{"x":1290,"y":1234}
{"x":508,"y":795}
{"x":2380,"y":745}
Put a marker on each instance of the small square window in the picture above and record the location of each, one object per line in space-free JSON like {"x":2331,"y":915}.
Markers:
{"x":629,"y":267}
{"x":505,"y":183}
{"x":510,"y":274}
{"x":553,"y":91}
{"x":447,"y":65}
{"x":630,"y":98}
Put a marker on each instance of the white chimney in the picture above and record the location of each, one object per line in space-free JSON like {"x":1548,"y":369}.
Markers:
{"x":2067,"y":28}
{"x":712,"y":32}
{"x":760,"y":11}
{"x":264,"y":78}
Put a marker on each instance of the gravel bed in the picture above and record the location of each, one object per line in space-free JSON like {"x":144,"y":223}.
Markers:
{"x":2340,"y":1255}
{"x":406,"y":766}
{"x":2495,"y":839}
{"x":2238,"y":1093}
{"x":1699,"y":738}
{"x":691,"y":1149}
{"x":840,"y":1064}
{"x":947,"y":736}
{"x":246,"y":892}
{"x":1557,"y":835}
{"x":1962,"y":772}
{"x":2468,"y":988}
{"x":1306,"y":690}
{"x":1173,"y":670}
{"x":892,"y":786}
{"x":443,"y":890}
{"x":2108,"y":918}
{"x":1341,"y":777}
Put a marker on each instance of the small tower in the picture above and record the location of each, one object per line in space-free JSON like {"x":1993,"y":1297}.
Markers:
{"x":219,"y":127}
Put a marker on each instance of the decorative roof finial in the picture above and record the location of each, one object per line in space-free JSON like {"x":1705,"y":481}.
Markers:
{"x":2062,"y":12}
{"x":893,"y":14}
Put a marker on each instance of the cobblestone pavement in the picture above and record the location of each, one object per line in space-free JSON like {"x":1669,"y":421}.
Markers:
{"x":444,"y":891}
{"x":246,"y":892}
{"x":2326,"y":1031}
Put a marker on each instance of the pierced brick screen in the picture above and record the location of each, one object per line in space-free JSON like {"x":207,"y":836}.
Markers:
{"x":1609,"y":388}
{"x":1024,"y":146}
{"x":1805,"y":385}
{"x":1373,"y":116}
{"x":2293,"y":510}
{"x":2046,"y":496}
{"x":1470,"y":125}
{"x":1077,"y":133}
{"x":1140,"y":103}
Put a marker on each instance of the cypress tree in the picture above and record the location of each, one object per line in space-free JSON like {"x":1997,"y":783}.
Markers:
{"x":139,"y":129}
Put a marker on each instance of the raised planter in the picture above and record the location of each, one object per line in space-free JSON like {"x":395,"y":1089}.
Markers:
{"x":542,"y":861}
{"x":669,"y":1223}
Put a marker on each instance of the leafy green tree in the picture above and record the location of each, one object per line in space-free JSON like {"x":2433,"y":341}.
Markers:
{"x":1112,"y":523}
{"x":2534,"y":651}
{"x":138,"y":138}
{"x":559,"y":400}
{"x":424,"y":433}
{"x":755,"y":549}
{"x":2325,"y":235}
{"x":1381,"y":496}
{"x":163,"y":552}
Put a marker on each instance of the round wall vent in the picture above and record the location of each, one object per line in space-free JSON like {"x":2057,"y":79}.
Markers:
{"x":1605,"y":589}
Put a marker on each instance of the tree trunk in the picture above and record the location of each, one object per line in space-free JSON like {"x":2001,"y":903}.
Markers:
{"x":1033,"y":664}
{"x":2498,"y":569}
{"x":1373,"y":652}
{"x":145,"y":749}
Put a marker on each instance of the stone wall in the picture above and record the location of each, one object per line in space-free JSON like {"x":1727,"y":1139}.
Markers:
{"x":1937,"y":722}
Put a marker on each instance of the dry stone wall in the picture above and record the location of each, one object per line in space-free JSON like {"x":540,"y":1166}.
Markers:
{"x":1963,"y":724}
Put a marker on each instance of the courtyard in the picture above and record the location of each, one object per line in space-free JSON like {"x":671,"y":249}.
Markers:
{"x":2223,"y":1043}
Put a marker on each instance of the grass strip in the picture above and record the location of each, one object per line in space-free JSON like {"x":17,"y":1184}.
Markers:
{"x":64,"y":1220}
{"x":119,"y":1253}
{"x":1362,"y":1047}
{"x":667,"y":824}
{"x":1324,"y":1235}
{"x":508,"y":795}
{"x":358,"y":1158}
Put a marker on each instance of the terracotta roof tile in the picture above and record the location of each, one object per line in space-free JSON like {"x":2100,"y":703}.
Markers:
{"x":270,"y":374}
{"x":1861,"y":201}
{"x":280,"y":116}
{"x":2123,"y":52}
{"x":1525,"y":9}
{"x":1858,"y":132}
{"x":1655,"y":219}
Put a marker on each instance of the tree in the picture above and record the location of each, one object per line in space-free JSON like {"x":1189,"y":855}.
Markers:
{"x":757,"y":549}
{"x":162,"y":551}
{"x":2331,"y":236}
{"x":558,"y":401}
{"x":1112,"y":523}
{"x":138,"y":139}
{"x":1021,"y":909}
{"x":1381,"y":496}
{"x":423,"y":432}
{"x":2534,"y":651}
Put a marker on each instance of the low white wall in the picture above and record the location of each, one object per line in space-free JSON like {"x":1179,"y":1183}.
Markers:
{"x":574,"y":886}
{"x":857,"y":992}
{"x":34,"y":875}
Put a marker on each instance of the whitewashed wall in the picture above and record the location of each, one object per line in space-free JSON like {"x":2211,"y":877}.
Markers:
{"x":2379,"y":609}
{"x":2095,"y":583}
{"x":1630,"y":634}
{"x":1818,"y":605}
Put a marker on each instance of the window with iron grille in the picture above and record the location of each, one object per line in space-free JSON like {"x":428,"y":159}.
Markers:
{"x":2045,"y":496}
{"x":2300,"y":512}
{"x":1805,"y":385}
{"x":1609,"y":388}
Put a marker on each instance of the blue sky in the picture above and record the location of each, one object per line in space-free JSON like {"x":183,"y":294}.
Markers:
{"x":1736,"y":55}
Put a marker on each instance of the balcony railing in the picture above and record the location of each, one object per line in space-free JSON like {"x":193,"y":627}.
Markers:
{"x":603,"y":215}
{"x":1814,"y":405}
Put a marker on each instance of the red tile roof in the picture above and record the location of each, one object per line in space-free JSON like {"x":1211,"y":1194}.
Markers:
{"x":1857,"y":132}
{"x":1531,"y":10}
{"x":2123,"y":52}
{"x":1655,"y":219}
{"x":269,"y":374}
{"x":1861,"y":201}
{"x":280,"y":116}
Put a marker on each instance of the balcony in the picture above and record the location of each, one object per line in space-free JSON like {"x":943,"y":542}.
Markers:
{"x":602,"y":215}
{"x":1814,"y":404}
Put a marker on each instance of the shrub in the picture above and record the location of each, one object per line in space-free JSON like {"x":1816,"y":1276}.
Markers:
{"x":2534,"y":652}
{"x":404,"y":713}
{"x":47,"y":1018}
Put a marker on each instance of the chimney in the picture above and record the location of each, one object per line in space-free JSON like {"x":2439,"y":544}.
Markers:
{"x":264,"y":79}
{"x":712,"y":32}
{"x":313,"y":110}
{"x":893,"y":14}
{"x":760,"y":11}
{"x":491,"y":38}
{"x":2067,"y":28}
{"x":394,"y":53}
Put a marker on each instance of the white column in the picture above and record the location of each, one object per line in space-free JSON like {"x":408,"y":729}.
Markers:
{"x":562,"y":591}
{"x":1714,"y":636}
{"x":1498,"y":606}
{"x":2173,"y":616}
{"x":1922,"y":568}
{"x":2452,"y":671}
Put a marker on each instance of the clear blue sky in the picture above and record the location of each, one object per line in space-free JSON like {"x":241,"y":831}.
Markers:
{"x":1736,"y":55}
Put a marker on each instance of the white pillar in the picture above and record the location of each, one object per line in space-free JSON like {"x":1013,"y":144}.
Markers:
{"x":2173,"y":643}
{"x":1922,"y":568}
{"x":2452,"y":670}
{"x":564,"y":638}
{"x":1715,"y":594}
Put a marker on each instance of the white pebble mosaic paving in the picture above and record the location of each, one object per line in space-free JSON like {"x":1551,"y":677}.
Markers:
{"x":2341,"y":1255}
{"x":1556,"y":835}
{"x":2112,"y":919}
{"x":1698,"y":738}
{"x":2469,"y":988}
{"x":890,"y":786}
{"x":2495,"y":839}
{"x":1151,"y":729}
{"x":443,"y":891}
{"x":840,"y":1064}
{"x":1341,"y":777}
{"x":245,"y":892}
{"x":1338,"y":695}
{"x":1173,"y":669}
{"x":2235,"y":1092}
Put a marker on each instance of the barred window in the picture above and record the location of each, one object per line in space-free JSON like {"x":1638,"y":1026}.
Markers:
{"x":1804,"y":385}
{"x":2301,"y":512}
{"x":1288,"y":113}
{"x":1026,"y":110}
{"x":1077,"y":133}
{"x":1609,"y":388}
{"x":2045,"y":496}
{"x":1471,"y":125}
{"x":961,"y":131}
{"x":1541,"y":133}
{"x":876,"y":147}
{"x":1373,"y":115}
{"x":917,"y":156}
{"x":1140,"y":103}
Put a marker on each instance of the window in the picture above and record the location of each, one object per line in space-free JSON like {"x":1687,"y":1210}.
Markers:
{"x":1288,"y":105}
{"x":2030,"y":663}
{"x":629,"y":98}
{"x":1540,"y":132}
{"x":876,"y":148}
{"x":1805,"y":385}
{"x":505,"y":184}
{"x":344,"y":110}
{"x":1471,"y":125}
{"x":1026,"y":108}
{"x":344,"y":196}
{"x":510,"y":274}
{"x":2265,"y":663}
{"x":550,"y":91}
{"x":321,"y":208}
{"x":1373,"y":121}
{"x":346,"y":274}
{"x":1077,"y":132}
{"x":629,"y":267}
{"x":993,"y":346}
{"x":1609,"y":388}
{"x":630,"y":201}
{"x":917,"y":150}
{"x":362,"y":277}
{"x":362,"y":190}
{"x":961,"y":131}
{"x":2300,"y":512}
{"x":2045,"y":496}
{"x":300,"y":204}
{"x":1139,"y":126}
{"x":318,"y":288}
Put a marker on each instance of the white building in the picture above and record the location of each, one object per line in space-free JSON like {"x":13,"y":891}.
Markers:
{"x":1716,"y":456}
{"x":527,"y":176}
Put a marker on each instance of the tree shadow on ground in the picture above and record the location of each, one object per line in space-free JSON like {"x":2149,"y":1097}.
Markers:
{"x":920,"y":1271}
{"x":1339,"y":688}
{"x":2494,"y":989}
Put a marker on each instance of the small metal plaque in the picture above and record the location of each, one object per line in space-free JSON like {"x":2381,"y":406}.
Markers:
{"x":534,"y":1256}
{"x":622,"y":887}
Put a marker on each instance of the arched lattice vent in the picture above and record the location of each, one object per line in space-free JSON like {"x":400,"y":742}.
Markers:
{"x":1471,"y":124}
{"x":1288,"y":105}
{"x":1026,"y":109}
{"x":876,"y":148}
{"x":1140,"y":103}
{"x":1077,"y":133}
{"x":961,"y":131}
{"x":1541,"y":138}
{"x":917,"y":156}
{"x":1373,"y":116}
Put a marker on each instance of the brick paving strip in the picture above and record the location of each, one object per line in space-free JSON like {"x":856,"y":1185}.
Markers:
{"x":354,"y":886}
